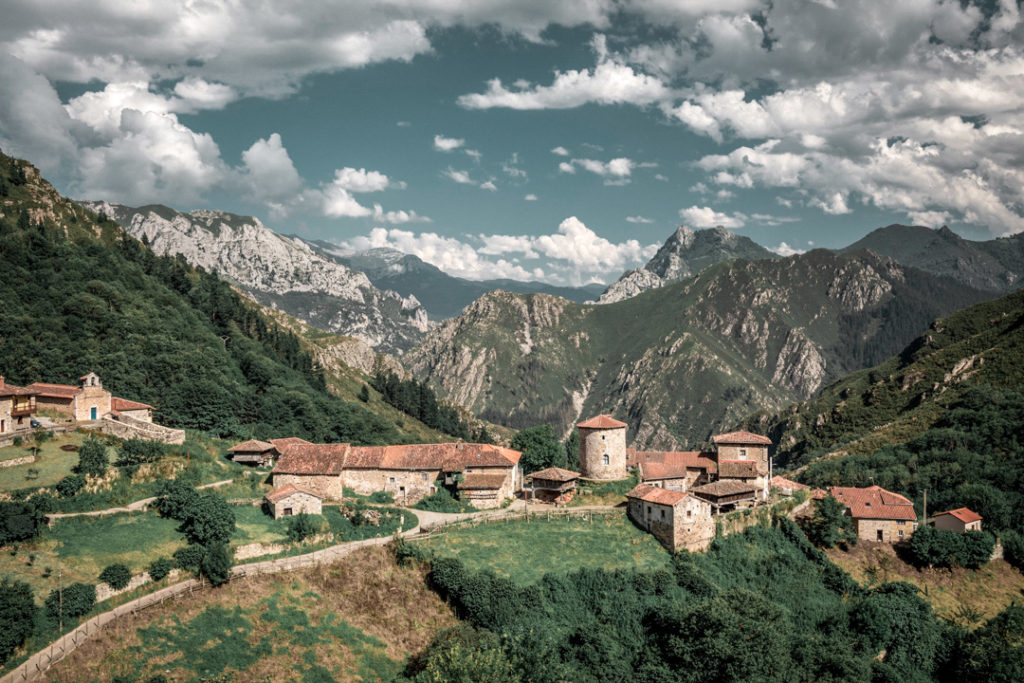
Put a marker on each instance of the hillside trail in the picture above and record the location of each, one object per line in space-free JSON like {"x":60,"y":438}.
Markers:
{"x":130,"y":507}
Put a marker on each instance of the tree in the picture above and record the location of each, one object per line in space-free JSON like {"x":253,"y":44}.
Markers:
{"x":117,"y":576}
{"x":75,"y":600}
{"x":175,"y":499}
{"x":210,"y":520}
{"x":364,"y":394}
{"x":216,"y":564}
{"x":829,"y":525}
{"x":92,"y":457}
{"x":301,"y":527}
{"x":539,"y":447}
{"x":70,"y":485}
{"x":189,"y":558}
{"x":17,"y":616}
{"x":159,"y":568}
{"x":995,"y":652}
{"x":19,"y":521}
{"x":462,"y":654}
{"x":572,"y":451}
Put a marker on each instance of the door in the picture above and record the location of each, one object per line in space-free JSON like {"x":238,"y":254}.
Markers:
{"x":92,"y":413}
{"x":880,"y":535}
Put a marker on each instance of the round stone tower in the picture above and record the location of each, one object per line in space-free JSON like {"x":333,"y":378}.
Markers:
{"x":602,"y":448}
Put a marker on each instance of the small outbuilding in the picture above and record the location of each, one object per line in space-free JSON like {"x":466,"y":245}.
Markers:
{"x":726,"y":494}
{"x":253,"y":452}
{"x":788,"y":486}
{"x":959,"y":520}
{"x":292,"y":499}
{"x":553,"y":485}
{"x":678,"y":520}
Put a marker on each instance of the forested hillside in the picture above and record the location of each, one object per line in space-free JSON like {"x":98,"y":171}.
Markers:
{"x":81,"y":295}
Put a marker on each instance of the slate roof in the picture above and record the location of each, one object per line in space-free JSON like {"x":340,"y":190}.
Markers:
{"x":554,"y":474}
{"x":656,"y":494}
{"x":476,"y":481}
{"x":742,"y":437}
{"x":314,"y":458}
{"x":118,"y":404}
{"x":737,"y":469}
{"x":602,"y":422}
{"x":874,"y":502}
{"x":724,"y":487}
{"x":282,"y":492}
{"x":251,"y":446}
{"x":965,"y":515}
{"x":669,"y":464}
{"x":447,"y":457}
{"x":783,"y":483}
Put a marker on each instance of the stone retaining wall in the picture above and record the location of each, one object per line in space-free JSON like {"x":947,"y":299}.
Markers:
{"x":18,"y":461}
{"x":125,"y":427}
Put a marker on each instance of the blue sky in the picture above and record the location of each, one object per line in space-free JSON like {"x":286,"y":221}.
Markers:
{"x":529,"y":139}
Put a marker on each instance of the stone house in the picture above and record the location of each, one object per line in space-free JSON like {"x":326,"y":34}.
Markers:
{"x":676,"y":470}
{"x":262,"y":453}
{"x":677,"y":519}
{"x":603,"y":448}
{"x":290,"y":499}
{"x":132,"y":409}
{"x":959,"y":520}
{"x":726,"y":494}
{"x":86,"y":402}
{"x":743,"y":456}
{"x":877,"y":514}
{"x":17,"y":404}
{"x":553,"y":485}
{"x":483,"y":474}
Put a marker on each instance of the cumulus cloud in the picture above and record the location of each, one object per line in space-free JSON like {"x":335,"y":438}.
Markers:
{"x":269,"y":171}
{"x":573,"y":254}
{"x":489,"y":185}
{"x":619,"y":168}
{"x":706,"y":217}
{"x":638,"y":219}
{"x":443,"y":144}
{"x":560,"y":151}
{"x":530,"y":197}
{"x":461,"y":177}
{"x":785,"y":250}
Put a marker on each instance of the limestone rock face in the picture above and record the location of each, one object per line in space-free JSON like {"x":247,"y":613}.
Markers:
{"x":279,"y":271}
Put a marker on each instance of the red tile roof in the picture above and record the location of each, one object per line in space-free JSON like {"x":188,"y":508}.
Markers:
{"x":54,"y":390}
{"x":737,"y":469}
{"x":741,"y":437}
{"x":322,"y":459}
{"x":874,"y":502}
{"x":119,"y":404}
{"x":282,"y":492}
{"x":12,"y":390}
{"x":656,"y":494}
{"x":251,"y":446}
{"x":965,"y":515}
{"x":724,"y":487}
{"x":476,"y":481}
{"x":675,"y":463}
{"x":783,"y":483}
{"x":554,"y":474}
{"x":447,"y":457}
{"x":281,"y":444}
{"x":602,"y":422}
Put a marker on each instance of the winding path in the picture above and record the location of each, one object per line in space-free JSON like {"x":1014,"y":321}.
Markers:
{"x":130,"y":507}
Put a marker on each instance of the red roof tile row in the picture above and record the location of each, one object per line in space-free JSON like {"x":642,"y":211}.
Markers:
{"x":656,"y":494}
{"x":282,"y":492}
{"x":737,"y":469}
{"x":783,"y":483}
{"x":330,"y":459}
{"x":669,"y":464}
{"x":602,"y":422}
{"x":119,"y":404}
{"x":54,"y":390}
{"x":965,"y":515}
{"x":251,"y":446}
{"x":874,"y":502}
{"x":475,"y":481}
{"x":554,"y":474}
{"x":742,"y":437}
{"x":313,"y":459}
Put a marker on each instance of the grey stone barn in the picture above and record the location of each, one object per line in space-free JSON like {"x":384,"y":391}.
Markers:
{"x":292,"y":499}
{"x":677,"y":519}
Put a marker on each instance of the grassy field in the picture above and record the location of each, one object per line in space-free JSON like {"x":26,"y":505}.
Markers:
{"x":357,"y":619}
{"x":962,"y":595}
{"x":51,"y":465}
{"x":524,"y":551}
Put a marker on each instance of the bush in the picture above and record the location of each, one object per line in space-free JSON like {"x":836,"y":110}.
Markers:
{"x":70,"y":485}
{"x":76,"y":600}
{"x":301,"y":527}
{"x":175,"y":499}
{"x":941,"y":548}
{"x":190,"y":557}
{"x":441,"y":501}
{"x":209,"y":520}
{"x":159,"y":568}
{"x":135,"y":452}
{"x":830,"y":526}
{"x":117,"y":576}
{"x":216,"y":564}
{"x":382,"y":497}
{"x":19,"y":521}
{"x":1013,"y":548}
{"x":92,"y":457}
{"x":17,"y":616}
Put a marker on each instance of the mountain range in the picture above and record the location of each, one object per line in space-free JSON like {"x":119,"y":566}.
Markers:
{"x":441,"y":294}
{"x":278,"y":271}
{"x":680,"y":361}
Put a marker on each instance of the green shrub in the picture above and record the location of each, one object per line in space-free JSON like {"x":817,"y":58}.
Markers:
{"x":70,"y":485}
{"x":159,"y":568}
{"x":382,"y":497}
{"x":441,"y":501}
{"x":92,"y":457}
{"x":175,"y":498}
{"x":17,"y":612}
{"x":1013,"y":548}
{"x":216,"y":564}
{"x":190,"y":557}
{"x":302,"y":526}
{"x":116,"y":576}
{"x":75,"y":600}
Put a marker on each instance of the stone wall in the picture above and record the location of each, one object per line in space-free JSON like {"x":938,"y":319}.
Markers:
{"x":687,"y":525}
{"x":745,"y":452}
{"x":408,"y":486}
{"x":88,"y":398}
{"x":594,"y":445}
{"x":867,"y":530}
{"x":296,"y":504}
{"x":125,"y":427}
{"x":327,"y":486}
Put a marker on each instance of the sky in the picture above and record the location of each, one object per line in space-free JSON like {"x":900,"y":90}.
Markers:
{"x":529,"y":139}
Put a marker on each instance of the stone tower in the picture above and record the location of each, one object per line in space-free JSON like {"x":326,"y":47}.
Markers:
{"x":602,"y":448}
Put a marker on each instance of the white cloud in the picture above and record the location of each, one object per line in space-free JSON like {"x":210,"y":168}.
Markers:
{"x":662,"y":178}
{"x":785,"y":250}
{"x":461,"y":177}
{"x":269,"y":171}
{"x":638,"y":219}
{"x":473,"y":154}
{"x":397,"y":217}
{"x":931,"y":219}
{"x":403,"y":124}
{"x":609,"y":82}
{"x":530,"y":197}
{"x":443,"y":144}
{"x":560,"y":151}
{"x":361,"y":180}
{"x":489,"y":185}
{"x":621,"y":167}
{"x":706,"y":217}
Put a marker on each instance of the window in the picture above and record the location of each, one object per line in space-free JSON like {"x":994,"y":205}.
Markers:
{"x":287,"y":512}
{"x":648,"y":510}
{"x":602,"y":437}
{"x":743,"y":452}
{"x":689,"y":513}
{"x":391,"y":480}
{"x":423,"y":476}
{"x":663,"y":513}
{"x":901,"y":533}
{"x":879,"y":534}
{"x":605,"y":460}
